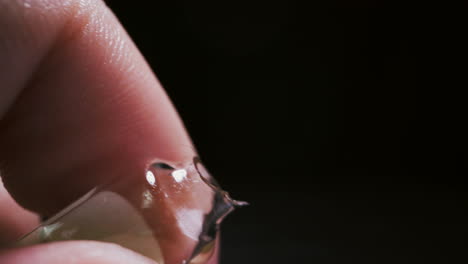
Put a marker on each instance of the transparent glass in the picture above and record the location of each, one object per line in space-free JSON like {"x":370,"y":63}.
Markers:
{"x":170,"y":214}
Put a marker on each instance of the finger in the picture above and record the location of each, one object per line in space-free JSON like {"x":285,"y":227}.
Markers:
{"x":14,"y":220}
{"x":89,"y":107}
{"x":76,"y":252}
{"x":79,"y":104}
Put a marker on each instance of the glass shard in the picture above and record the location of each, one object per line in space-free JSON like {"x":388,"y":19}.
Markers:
{"x":170,"y":214}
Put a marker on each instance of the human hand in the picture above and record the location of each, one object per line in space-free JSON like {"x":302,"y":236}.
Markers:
{"x":78,"y":104}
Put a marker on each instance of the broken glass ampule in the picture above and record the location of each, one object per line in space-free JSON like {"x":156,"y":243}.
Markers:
{"x":170,"y":214}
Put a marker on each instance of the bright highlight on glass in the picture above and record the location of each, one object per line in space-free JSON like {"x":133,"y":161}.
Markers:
{"x":171,"y":214}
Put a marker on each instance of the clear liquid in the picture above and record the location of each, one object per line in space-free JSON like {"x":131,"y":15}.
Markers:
{"x":171,"y":215}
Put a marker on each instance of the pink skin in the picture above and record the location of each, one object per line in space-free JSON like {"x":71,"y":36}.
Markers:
{"x":76,"y":100}
{"x":78,"y":252}
{"x":14,"y":220}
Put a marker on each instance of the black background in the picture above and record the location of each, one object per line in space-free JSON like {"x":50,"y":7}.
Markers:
{"x":342,"y":124}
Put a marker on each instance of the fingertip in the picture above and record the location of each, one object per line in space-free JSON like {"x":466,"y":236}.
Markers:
{"x":91,"y":112}
{"x":73,"y":252}
{"x":15,"y":221}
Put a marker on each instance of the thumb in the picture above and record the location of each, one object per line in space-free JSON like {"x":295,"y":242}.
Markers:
{"x":82,"y":252}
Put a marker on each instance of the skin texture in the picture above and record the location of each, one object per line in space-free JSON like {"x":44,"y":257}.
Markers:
{"x":14,"y":220}
{"x":78,"y":106}
{"x":82,"y":252}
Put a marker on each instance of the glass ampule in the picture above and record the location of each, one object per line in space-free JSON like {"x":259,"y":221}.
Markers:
{"x":171,"y":214}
